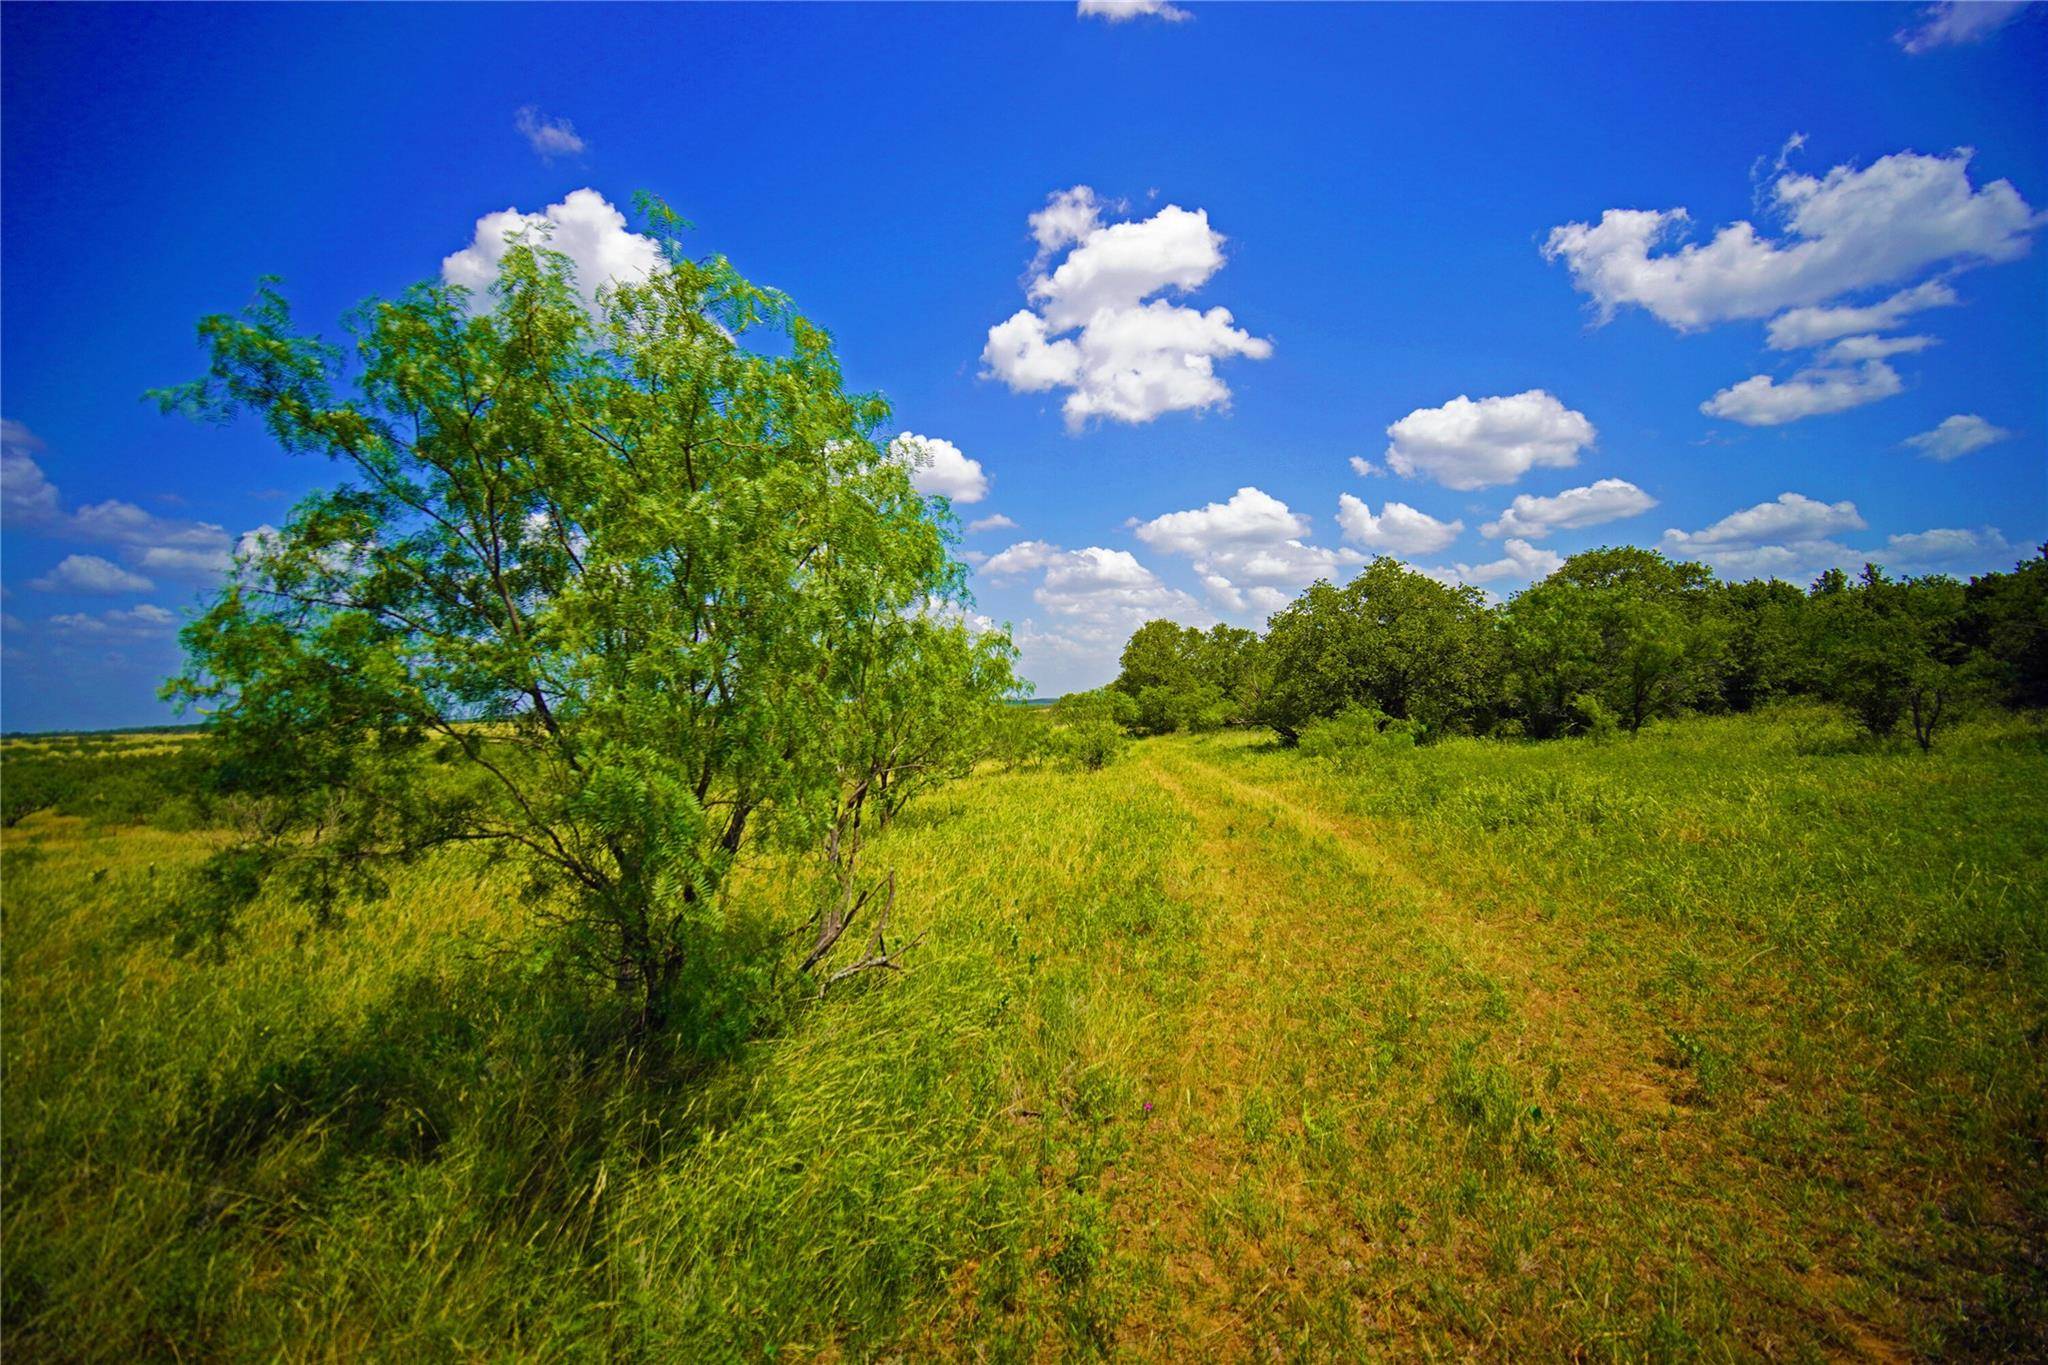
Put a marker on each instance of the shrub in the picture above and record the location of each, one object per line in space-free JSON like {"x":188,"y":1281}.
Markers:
{"x":1020,"y":736}
{"x":1355,"y":732}
{"x":1596,"y":720}
{"x":107,"y":783}
{"x":1087,"y":728}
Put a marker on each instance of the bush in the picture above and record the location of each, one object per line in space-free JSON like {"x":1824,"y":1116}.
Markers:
{"x":1092,"y":747}
{"x":1020,"y":736}
{"x":108,"y":783}
{"x":1355,"y":732}
{"x":1087,"y":728}
{"x":1596,"y":720}
{"x":1192,"y":706}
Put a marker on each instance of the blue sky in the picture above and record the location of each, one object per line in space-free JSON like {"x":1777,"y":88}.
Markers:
{"x":1403,"y":210}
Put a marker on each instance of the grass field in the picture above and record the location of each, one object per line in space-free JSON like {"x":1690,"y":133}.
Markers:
{"x":1729,"y":1041}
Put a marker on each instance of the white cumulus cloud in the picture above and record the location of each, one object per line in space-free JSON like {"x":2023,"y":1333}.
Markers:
{"x":1026,"y":556}
{"x":1097,"y":596}
{"x":1947,"y":549}
{"x":1519,"y":560}
{"x":549,"y":137}
{"x":174,"y":546}
{"x":185,"y":561}
{"x":144,"y":618}
{"x":1466,"y":444}
{"x":1022,"y":354}
{"x":1123,"y":11}
{"x":1604,"y":500}
{"x":1789,"y":517}
{"x":27,"y":498}
{"x":938,"y":468}
{"x":1952,"y":550}
{"x":1248,"y":551}
{"x":1087,"y":602}
{"x":1098,"y":585}
{"x":1091,"y":600}
{"x":1095,"y":328}
{"x":1851,"y":350}
{"x":1068,"y":217}
{"x":1398,"y":529}
{"x":1954,"y":22}
{"x":1761,"y":401}
{"x":1141,"y":362}
{"x":1845,"y":231}
{"x":1798,"y":327}
{"x":123,"y":523}
{"x":1957,"y":436}
{"x":1267,"y":577}
{"x":1799,"y":561}
{"x":1114,"y":267}
{"x":584,"y":227}
{"x":90,"y":573}
{"x":995,"y":522}
{"x":1251,"y":516}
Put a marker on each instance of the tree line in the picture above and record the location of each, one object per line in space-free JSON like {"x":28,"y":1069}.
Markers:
{"x":1612,"y":640}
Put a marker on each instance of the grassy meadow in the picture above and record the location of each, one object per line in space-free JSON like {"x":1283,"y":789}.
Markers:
{"x":1727,"y":1041}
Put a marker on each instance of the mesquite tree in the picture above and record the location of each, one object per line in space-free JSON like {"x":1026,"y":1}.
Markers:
{"x":615,"y":591}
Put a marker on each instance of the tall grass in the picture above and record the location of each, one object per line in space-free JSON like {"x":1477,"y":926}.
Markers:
{"x":403,"y":1138}
{"x":1829,"y":955}
{"x":1725,"y":1039}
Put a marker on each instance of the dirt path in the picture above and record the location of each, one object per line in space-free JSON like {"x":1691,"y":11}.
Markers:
{"x":1510,"y":943}
{"x":1185,"y":1202}
{"x":1395,"y":1122}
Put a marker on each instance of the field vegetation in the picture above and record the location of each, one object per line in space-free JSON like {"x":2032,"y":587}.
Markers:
{"x":1725,"y":1040}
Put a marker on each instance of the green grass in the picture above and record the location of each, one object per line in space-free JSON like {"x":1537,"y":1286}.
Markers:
{"x":1725,"y":1041}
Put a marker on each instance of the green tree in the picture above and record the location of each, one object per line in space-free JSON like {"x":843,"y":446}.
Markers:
{"x":1892,"y":649}
{"x":1161,"y":674}
{"x":1181,"y":678}
{"x":618,"y":594}
{"x":1232,"y":659}
{"x":1392,"y":639}
{"x":1158,"y":654}
{"x":1767,"y":656}
{"x":1624,"y":625}
{"x":2007,"y":623}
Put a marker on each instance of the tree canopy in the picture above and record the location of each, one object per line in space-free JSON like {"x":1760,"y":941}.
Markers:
{"x":1392,"y":639}
{"x":1614,"y":639}
{"x":1624,"y":626}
